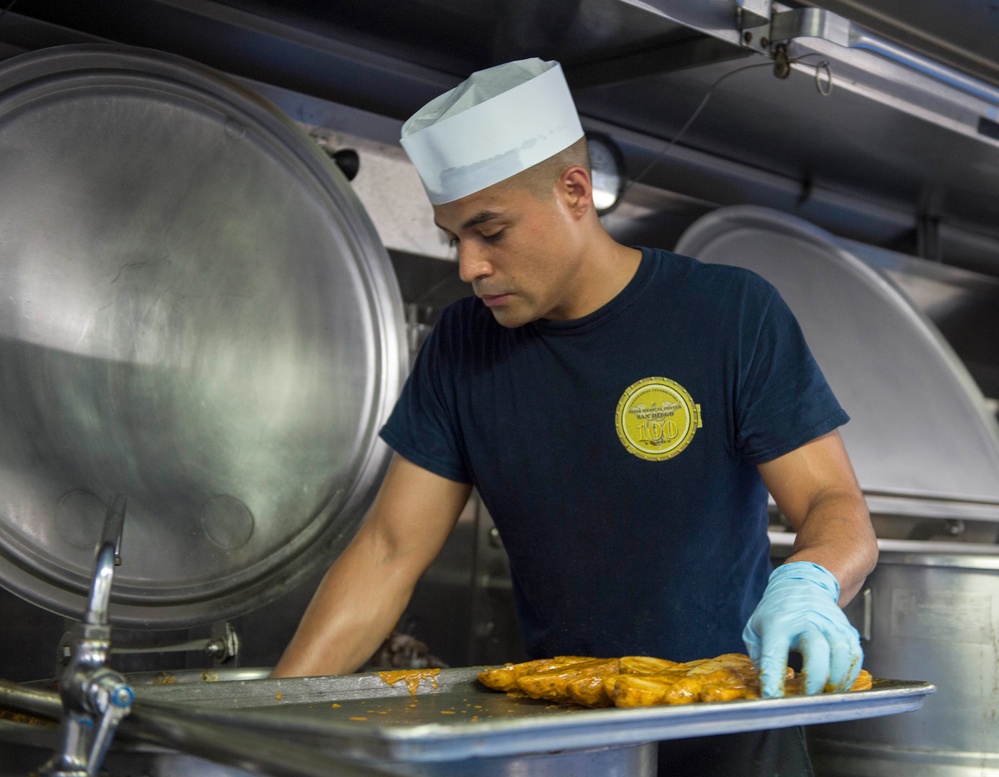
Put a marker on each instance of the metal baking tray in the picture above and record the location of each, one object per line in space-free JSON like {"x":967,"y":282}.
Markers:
{"x":451,"y":716}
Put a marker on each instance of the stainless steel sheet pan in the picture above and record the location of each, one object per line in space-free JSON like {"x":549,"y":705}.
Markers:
{"x":450,"y":716}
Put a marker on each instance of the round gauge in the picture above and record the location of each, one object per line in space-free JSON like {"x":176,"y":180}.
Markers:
{"x":607,"y":165}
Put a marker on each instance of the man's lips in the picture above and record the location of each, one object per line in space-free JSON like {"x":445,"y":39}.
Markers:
{"x":491,"y":300}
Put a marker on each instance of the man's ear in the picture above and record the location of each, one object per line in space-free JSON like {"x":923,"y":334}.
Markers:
{"x":576,"y":188}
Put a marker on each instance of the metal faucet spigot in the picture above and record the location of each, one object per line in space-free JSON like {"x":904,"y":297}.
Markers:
{"x":94,"y":697}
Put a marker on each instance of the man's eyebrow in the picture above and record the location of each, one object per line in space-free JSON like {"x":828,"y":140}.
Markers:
{"x":479,"y":218}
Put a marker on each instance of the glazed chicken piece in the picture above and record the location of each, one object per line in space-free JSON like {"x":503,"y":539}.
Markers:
{"x":723,"y":678}
{"x":589,"y":691}
{"x":645,"y":664}
{"x":640,"y":681}
{"x":864,"y":681}
{"x":504,"y":678}
{"x":553,"y":684}
{"x":794,"y":686}
{"x":736,"y":662}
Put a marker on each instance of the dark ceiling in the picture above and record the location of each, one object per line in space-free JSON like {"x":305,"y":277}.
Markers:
{"x":851,"y":160}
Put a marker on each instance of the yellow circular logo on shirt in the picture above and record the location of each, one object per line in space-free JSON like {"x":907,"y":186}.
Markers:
{"x":656,"y":418}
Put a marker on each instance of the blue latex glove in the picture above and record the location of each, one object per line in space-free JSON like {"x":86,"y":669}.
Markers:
{"x":799,"y":611}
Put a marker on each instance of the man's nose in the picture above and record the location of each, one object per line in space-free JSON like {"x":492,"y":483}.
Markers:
{"x":472,"y":263}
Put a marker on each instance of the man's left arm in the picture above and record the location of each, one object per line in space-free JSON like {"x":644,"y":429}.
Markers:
{"x":816,"y":490}
{"x":835,"y":549}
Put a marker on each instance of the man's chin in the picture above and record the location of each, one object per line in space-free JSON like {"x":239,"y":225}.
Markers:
{"x":509,"y":318}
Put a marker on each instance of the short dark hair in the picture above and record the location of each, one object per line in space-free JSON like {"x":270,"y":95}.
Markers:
{"x":540,"y":179}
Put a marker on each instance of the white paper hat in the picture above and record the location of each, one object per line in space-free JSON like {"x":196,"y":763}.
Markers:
{"x":495,"y":124}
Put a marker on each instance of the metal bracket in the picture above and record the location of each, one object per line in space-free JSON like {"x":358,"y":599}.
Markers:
{"x":873,"y":66}
{"x":222,"y":649}
{"x":753,"y":13}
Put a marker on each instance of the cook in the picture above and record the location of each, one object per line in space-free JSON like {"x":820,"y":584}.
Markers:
{"x":623,"y":412}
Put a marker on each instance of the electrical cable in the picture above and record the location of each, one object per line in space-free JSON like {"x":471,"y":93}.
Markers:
{"x":4,"y":11}
{"x":821,"y":68}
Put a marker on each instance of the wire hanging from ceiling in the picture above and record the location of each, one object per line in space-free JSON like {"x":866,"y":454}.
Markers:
{"x":823,"y":84}
{"x":4,"y":11}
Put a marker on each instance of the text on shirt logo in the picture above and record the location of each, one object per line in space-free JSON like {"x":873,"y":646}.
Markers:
{"x":656,"y":418}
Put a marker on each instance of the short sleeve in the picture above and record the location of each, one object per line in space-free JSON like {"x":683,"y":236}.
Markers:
{"x":783,"y":399}
{"x":422,"y":426}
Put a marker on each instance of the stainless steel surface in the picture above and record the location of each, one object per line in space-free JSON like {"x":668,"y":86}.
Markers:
{"x":221,"y":649}
{"x":921,"y":435}
{"x":259,"y":753}
{"x":447,"y":729}
{"x":880,"y":69}
{"x":852,"y":161}
{"x":228,"y":674}
{"x":960,"y":32}
{"x":271,"y":752}
{"x":455,"y":718}
{"x":31,"y":698}
{"x":196,"y":312}
{"x":862,"y":40}
{"x":962,"y":304}
{"x":145,"y":746}
{"x":867,"y":64}
{"x":929,"y":613}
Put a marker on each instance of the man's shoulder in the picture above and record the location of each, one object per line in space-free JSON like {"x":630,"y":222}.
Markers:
{"x":674,"y":267}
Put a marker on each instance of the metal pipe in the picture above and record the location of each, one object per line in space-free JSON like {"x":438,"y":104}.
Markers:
{"x":34,"y":700}
{"x":864,"y":41}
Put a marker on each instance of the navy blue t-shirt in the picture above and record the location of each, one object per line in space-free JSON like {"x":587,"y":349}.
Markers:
{"x":617,"y":453}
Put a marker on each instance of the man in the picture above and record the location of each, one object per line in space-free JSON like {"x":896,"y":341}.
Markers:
{"x":623,"y":413}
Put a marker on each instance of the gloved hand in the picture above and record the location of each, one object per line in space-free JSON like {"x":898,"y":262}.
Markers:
{"x":799,"y":611}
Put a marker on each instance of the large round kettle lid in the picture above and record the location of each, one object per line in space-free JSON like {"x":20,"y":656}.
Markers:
{"x":920,"y":432}
{"x":196,"y":312}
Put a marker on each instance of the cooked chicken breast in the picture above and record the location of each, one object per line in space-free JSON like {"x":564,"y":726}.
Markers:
{"x":504,"y":678}
{"x":640,"y":681}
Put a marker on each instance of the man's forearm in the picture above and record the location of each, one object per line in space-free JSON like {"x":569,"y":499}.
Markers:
{"x":816,"y":489}
{"x":354,"y":609}
{"x":363,"y":595}
{"x":837,"y":535}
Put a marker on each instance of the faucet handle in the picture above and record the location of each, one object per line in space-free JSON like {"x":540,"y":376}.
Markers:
{"x":107,"y":557}
{"x":110,"y":697}
{"x":114,"y":523}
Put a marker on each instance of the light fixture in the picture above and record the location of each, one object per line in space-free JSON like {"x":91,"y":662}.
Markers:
{"x":608,"y":171}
